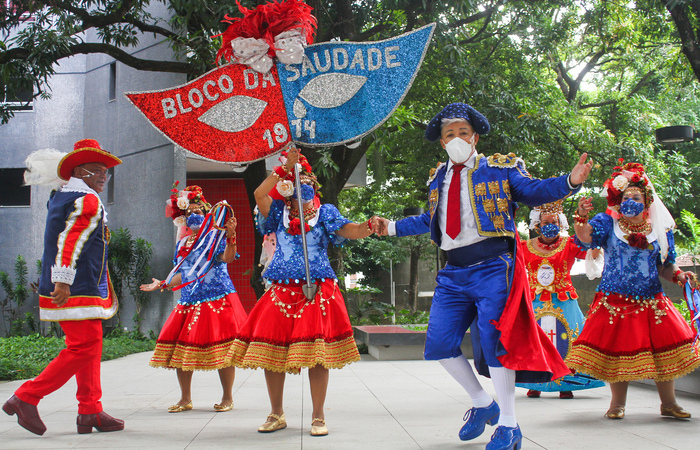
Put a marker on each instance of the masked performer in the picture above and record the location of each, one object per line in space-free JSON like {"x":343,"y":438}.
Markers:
{"x":633,"y":331}
{"x":208,"y":316}
{"x":548,"y":260}
{"x":286,"y":331}
{"x":472,"y":206}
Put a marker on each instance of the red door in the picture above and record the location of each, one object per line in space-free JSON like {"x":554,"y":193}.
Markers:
{"x":233,"y":191}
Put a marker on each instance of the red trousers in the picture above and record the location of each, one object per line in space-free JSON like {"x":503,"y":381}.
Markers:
{"x":81,"y":358}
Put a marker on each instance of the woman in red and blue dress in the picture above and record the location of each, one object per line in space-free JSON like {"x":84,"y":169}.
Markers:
{"x":285,"y":331}
{"x":209,"y":314}
{"x":548,"y":261}
{"x":633,"y":331}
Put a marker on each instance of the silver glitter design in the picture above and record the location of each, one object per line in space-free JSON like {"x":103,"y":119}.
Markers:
{"x":234,"y":114}
{"x":332,"y":89}
{"x":299,"y":109}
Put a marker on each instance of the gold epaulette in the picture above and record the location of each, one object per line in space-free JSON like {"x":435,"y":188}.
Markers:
{"x":509,"y":160}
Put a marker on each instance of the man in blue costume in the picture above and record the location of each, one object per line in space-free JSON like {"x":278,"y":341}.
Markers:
{"x":484,"y":284}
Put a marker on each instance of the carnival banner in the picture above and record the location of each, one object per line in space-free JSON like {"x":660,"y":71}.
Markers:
{"x":340,"y":92}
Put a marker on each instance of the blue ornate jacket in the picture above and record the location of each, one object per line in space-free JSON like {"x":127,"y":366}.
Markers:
{"x":496,"y":183}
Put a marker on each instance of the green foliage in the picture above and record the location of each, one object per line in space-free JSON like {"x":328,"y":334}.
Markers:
{"x":16,"y":294}
{"x":25,"y":357}
{"x":405,"y":316}
{"x":691,"y":239}
{"x":362,"y":310}
{"x":682,"y":308}
{"x":129,"y":265}
{"x":555,"y":78}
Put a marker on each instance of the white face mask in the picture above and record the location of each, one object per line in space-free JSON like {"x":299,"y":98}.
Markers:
{"x":459,"y":150}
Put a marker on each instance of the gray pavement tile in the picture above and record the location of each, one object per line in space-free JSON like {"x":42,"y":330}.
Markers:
{"x":382,"y":405}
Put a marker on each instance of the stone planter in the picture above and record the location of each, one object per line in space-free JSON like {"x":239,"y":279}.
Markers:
{"x":394,"y":342}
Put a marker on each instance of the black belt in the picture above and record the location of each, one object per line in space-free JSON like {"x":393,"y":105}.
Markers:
{"x":479,"y":252}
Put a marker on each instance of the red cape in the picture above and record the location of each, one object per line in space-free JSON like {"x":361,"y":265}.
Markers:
{"x":526,"y":345}
{"x":523,"y":346}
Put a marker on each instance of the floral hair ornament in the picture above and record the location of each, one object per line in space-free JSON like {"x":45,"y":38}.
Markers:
{"x":178,"y":203}
{"x":623,"y":177}
{"x":278,"y":29}
{"x":553,"y":208}
{"x":634,"y":175}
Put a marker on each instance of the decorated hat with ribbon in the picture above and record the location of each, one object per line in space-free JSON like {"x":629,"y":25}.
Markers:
{"x":624,"y":177}
{"x":457,"y":111}
{"x":85,"y":151}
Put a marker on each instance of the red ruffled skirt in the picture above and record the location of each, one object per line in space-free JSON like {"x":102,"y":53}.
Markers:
{"x":627,"y":339}
{"x":198,"y":337}
{"x":285,"y":332}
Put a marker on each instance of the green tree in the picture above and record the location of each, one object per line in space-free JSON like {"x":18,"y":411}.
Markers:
{"x":129,"y":265}
{"x":555,"y":77}
{"x":16,"y":295}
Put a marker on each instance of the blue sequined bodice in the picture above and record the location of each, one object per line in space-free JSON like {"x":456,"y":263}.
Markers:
{"x":628,"y":270}
{"x":214,"y":285}
{"x":288,"y":261}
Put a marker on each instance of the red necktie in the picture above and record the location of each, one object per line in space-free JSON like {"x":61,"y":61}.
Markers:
{"x":453,"y":224}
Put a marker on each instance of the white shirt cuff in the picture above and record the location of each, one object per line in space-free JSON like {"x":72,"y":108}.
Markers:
{"x":62,"y":274}
{"x":392,"y":228}
{"x":571,"y":186}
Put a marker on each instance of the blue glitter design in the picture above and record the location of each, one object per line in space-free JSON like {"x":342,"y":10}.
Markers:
{"x":288,"y":261}
{"x":214,"y":285}
{"x":628,"y":270}
{"x":343,"y":91}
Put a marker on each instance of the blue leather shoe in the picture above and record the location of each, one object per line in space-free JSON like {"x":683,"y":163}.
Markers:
{"x":476,"y":419}
{"x":506,"y":438}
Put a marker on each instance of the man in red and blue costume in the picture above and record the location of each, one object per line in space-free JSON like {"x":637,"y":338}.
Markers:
{"x":74,"y":290}
{"x":484,"y":284}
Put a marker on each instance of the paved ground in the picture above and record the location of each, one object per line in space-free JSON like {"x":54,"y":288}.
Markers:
{"x":371,"y":405}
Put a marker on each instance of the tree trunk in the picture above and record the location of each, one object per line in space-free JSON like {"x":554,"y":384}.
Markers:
{"x":253,"y":176}
{"x":688,"y":36}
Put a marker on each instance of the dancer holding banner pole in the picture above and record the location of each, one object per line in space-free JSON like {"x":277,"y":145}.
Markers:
{"x":209,"y":314}
{"x":286,"y":330}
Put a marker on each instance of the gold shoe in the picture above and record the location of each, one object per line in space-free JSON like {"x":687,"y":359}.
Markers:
{"x":179,"y":408}
{"x":615,"y":412}
{"x":273,"y":423}
{"x":677,"y":411}
{"x":220,"y":407}
{"x":319,"y":430}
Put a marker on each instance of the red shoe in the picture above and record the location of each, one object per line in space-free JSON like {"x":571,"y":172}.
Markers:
{"x":100,"y":421}
{"x":27,"y":415}
{"x":533,"y":393}
{"x":566,"y":394}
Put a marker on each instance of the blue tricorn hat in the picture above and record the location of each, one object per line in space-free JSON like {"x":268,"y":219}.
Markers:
{"x":457,"y":111}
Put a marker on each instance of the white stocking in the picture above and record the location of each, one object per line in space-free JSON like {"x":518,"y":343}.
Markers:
{"x":462,"y":371}
{"x":504,"y":384}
